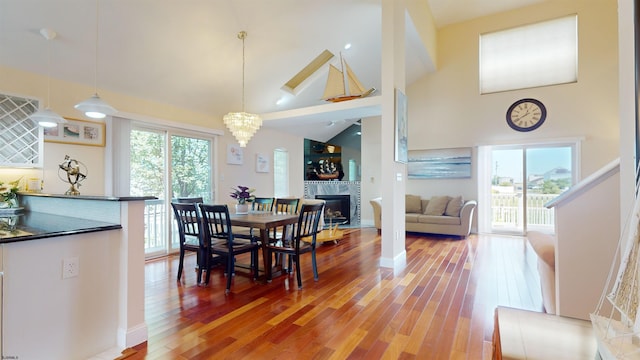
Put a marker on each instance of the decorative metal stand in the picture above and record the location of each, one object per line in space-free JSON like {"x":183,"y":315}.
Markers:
{"x":75,"y":172}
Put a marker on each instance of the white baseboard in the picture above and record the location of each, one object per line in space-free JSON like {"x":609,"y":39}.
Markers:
{"x":132,"y":336}
{"x":398,"y":262}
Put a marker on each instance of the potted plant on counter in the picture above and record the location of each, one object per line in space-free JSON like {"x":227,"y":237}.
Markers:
{"x":8,"y":194}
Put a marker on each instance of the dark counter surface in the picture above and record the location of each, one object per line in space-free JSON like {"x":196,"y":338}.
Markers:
{"x":89,"y":197}
{"x":34,"y":225}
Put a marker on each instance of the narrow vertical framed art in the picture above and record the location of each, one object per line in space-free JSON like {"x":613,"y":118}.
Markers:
{"x":262,"y":163}
{"x":401,"y":132}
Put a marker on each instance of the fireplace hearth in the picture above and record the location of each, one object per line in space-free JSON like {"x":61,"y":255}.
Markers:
{"x":337,"y":209}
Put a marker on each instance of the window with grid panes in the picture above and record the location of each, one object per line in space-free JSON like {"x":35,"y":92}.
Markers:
{"x":20,"y":137}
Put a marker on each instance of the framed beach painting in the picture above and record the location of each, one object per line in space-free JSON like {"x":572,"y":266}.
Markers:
{"x":79,"y":132}
{"x":453,"y":163}
{"x":401,"y":131}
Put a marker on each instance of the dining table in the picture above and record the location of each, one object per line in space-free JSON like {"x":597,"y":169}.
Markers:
{"x":264,"y":221}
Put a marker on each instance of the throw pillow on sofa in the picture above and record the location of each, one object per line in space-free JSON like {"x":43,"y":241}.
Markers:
{"x":437,"y":205}
{"x":454,"y":206}
{"x":412,"y":204}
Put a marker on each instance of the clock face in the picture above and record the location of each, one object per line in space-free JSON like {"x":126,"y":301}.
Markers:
{"x":526,"y":115}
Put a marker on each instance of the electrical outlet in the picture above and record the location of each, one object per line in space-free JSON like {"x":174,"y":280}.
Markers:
{"x":70,"y":267}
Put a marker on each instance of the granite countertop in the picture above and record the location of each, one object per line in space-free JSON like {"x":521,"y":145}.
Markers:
{"x":34,"y":225}
{"x":88,"y":197}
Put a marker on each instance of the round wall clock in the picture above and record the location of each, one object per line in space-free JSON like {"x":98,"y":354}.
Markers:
{"x":526,"y":115}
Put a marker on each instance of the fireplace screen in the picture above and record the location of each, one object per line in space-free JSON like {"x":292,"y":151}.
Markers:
{"x":337,"y":209}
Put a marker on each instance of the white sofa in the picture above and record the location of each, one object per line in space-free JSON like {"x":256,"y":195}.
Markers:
{"x":439,"y":215}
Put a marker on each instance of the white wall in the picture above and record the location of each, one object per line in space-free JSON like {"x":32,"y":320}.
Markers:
{"x":264,"y":142}
{"x":627,"y":106}
{"x":47,"y":317}
{"x":446,"y":109}
{"x":370,"y":184}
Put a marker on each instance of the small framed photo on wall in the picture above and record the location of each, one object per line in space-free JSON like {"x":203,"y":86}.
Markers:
{"x":262,"y":163}
{"x":234,"y":154}
{"x":79,"y":132}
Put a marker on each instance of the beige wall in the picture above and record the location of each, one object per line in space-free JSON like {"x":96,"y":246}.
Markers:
{"x":65,"y":95}
{"x":446,"y":109}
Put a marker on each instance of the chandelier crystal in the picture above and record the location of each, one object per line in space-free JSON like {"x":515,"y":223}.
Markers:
{"x":242,"y":125}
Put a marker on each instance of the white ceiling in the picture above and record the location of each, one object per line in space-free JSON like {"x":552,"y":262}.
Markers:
{"x":186,"y":53}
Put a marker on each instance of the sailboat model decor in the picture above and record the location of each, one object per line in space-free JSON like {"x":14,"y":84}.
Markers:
{"x":343,"y":84}
{"x":616,"y":321}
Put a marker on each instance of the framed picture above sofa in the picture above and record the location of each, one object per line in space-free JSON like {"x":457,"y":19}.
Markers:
{"x":453,"y":163}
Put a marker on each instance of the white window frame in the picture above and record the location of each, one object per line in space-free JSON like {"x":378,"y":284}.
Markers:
{"x":280,"y":172}
{"x":540,"y":54}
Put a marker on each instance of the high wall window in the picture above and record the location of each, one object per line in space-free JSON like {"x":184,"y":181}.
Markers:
{"x":280,"y":173}
{"x":540,"y":54}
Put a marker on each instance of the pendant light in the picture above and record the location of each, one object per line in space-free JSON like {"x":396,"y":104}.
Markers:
{"x":94,"y":107}
{"x":47,"y":117}
{"x":242,"y":125}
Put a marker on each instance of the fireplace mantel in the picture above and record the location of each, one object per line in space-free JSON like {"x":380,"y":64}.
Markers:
{"x":352,"y":188}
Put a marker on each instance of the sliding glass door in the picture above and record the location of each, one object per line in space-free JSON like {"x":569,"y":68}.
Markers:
{"x":167,"y":166}
{"x":523,"y":180}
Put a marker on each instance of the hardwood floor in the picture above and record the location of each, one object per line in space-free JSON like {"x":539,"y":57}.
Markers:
{"x":440,"y":306}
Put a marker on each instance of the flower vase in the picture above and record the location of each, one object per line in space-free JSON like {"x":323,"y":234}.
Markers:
{"x":9,"y":204}
{"x":242,"y":208}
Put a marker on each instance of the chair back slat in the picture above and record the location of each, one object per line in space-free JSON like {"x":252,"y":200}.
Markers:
{"x":187,"y":218}
{"x":288,"y":206}
{"x":262,"y":204}
{"x":216,"y":223}
{"x":307,"y":225}
{"x":186,"y":200}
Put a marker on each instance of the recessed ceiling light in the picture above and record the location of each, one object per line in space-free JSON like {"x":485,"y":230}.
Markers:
{"x":358,"y":133}
{"x":347,"y":46}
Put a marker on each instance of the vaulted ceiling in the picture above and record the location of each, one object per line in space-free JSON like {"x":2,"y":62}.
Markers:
{"x":186,"y":53}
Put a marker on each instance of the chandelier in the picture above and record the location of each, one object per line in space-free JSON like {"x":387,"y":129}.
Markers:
{"x":242,"y":125}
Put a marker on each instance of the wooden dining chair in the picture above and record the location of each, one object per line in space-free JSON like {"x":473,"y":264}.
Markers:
{"x":217,"y":226}
{"x":186,"y":215}
{"x":286,"y":205}
{"x":262,"y":204}
{"x":294,"y":246}
{"x":259,"y":204}
{"x":185,"y":200}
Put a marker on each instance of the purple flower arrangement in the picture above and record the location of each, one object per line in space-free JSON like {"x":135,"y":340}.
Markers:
{"x":243,"y":194}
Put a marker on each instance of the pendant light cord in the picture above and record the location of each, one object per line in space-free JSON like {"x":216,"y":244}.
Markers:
{"x":95,"y":64}
{"x":48,"y":74}
{"x":242,"y":35}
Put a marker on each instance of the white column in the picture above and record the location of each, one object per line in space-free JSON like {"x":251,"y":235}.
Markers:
{"x":132,"y":329}
{"x":394,"y":175}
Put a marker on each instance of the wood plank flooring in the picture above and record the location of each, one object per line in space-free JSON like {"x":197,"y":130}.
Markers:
{"x":440,"y":306}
